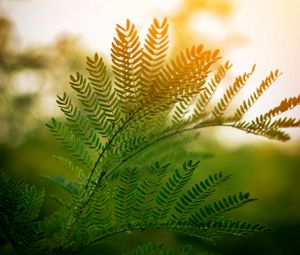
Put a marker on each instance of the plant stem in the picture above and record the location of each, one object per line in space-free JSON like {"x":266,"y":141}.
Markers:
{"x":160,"y":139}
{"x":179,"y":229}
{"x":106,"y":147}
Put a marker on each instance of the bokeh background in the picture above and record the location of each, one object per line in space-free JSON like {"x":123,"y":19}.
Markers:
{"x":43,"y":41}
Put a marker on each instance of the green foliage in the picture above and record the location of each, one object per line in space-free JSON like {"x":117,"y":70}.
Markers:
{"x":149,"y":249}
{"x":125,"y":130}
{"x":134,"y":201}
{"x":20,"y":208}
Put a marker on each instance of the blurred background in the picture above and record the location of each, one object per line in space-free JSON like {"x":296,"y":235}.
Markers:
{"x":43,"y":41}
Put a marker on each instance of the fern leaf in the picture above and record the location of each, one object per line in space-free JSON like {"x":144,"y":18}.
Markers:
{"x":161,"y":249}
{"x":82,"y":217}
{"x":153,"y":55}
{"x":92,"y":104}
{"x":20,"y":208}
{"x":225,"y":204}
{"x":74,"y":145}
{"x":284,"y":123}
{"x":185,"y":76}
{"x":101,"y":208}
{"x":147,"y":190}
{"x":126,"y":59}
{"x":230,"y":93}
{"x":194,"y":197}
{"x":125,"y":195}
{"x":235,"y":227}
{"x":78,"y":122}
{"x":103,"y":90}
{"x":181,"y":110}
{"x":262,"y":129}
{"x":206,"y":95}
{"x":31,"y":205}
{"x":285,"y":105}
{"x":265,"y":84}
{"x":169,"y":192}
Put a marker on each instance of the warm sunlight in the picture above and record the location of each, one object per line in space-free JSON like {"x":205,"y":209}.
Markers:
{"x":249,"y":28}
{"x":149,"y":127}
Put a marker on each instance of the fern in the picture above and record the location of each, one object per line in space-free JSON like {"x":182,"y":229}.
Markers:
{"x":20,"y":207}
{"x":265,"y":84}
{"x":125,"y":128}
{"x":126,"y":59}
{"x":150,"y":248}
{"x":239,"y":82}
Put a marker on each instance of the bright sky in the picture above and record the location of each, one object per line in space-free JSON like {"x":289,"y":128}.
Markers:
{"x":272,"y":27}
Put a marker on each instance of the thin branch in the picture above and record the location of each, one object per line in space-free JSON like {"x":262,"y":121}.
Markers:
{"x":106,"y":148}
{"x":180,"y":229}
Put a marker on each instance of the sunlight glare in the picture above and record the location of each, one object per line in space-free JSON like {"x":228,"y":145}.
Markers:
{"x":208,"y":25}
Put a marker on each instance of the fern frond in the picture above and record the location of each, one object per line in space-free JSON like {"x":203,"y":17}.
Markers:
{"x":74,"y":145}
{"x":78,"y":122}
{"x":217,"y":208}
{"x":147,"y":190}
{"x":104,"y":93}
{"x":153,"y":55}
{"x":234,"y":227}
{"x":101,"y":209}
{"x":265,"y":84}
{"x":181,"y":110}
{"x":285,"y":105}
{"x":20,"y":207}
{"x":126,"y":59}
{"x":82,"y":218}
{"x":169,"y":192}
{"x":125,"y":195}
{"x":127,"y":143}
{"x":161,"y":249}
{"x":206,"y":95}
{"x":185,"y":76}
{"x":194,"y":197}
{"x":130,"y":116}
{"x":91,"y":102}
{"x":163,"y":151}
{"x":231,"y":92}
{"x":263,"y":129}
{"x":284,"y":123}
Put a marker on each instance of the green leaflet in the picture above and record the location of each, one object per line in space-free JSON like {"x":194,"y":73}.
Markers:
{"x":20,"y":208}
{"x":195,"y":196}
{"x":72,"y":143}
{"x":152,"y":249}
{"x":79,"y":123}
{"x":172,"y":188}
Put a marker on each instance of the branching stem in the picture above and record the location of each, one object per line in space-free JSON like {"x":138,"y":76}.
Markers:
{"x":106,"y":148}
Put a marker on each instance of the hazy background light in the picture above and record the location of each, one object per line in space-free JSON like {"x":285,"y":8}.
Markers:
{"x":165,"y":7}
{"x":208,"y":25}
{"x":269,"y":26}
{"x":27,"y":82}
